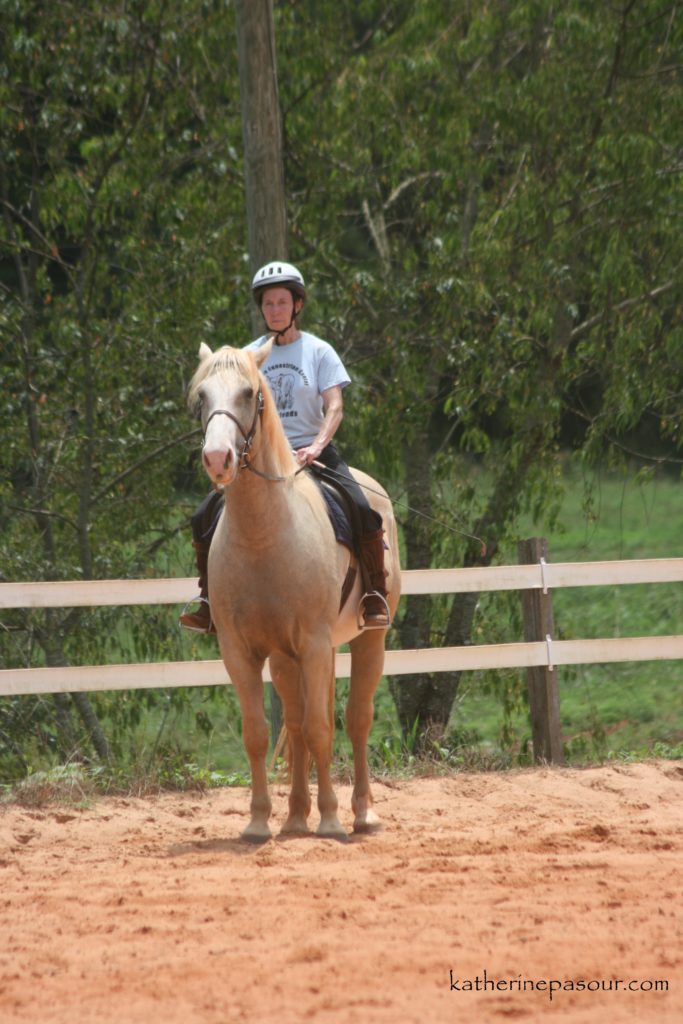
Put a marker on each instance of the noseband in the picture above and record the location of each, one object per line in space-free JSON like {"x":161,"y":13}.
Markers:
{"x":248,"y":435}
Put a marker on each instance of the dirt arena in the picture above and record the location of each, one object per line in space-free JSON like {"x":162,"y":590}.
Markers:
{"x":547,"y":894}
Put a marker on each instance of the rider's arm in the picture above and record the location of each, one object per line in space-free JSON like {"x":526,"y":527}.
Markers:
{"x":333,"y":405}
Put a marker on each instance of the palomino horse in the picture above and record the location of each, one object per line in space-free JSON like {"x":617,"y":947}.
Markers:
{"x":275,"y":579}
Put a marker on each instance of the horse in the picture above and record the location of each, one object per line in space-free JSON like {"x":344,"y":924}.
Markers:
{"x":275,"y":577}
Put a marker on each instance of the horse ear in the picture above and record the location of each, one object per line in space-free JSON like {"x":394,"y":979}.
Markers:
{"x":204,"y":352}
{"x":261,"y":354}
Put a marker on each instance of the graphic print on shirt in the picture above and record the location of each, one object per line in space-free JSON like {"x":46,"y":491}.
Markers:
{"x":283,"y":382}
{"x":298,"y":375}
{"x":282,"y":387}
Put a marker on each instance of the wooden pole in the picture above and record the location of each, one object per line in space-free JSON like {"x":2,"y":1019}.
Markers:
{"x":264,"y":177}
{"x":544,"y":697}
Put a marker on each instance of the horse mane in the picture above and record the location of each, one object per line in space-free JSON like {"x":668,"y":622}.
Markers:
{"x":227,"y":361}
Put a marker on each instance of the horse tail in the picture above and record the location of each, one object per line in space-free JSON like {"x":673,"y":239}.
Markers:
{"x":283,"y":748}
{"x":332,"y":689}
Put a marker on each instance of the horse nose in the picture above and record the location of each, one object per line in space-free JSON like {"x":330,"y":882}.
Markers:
{"x":218,"y":463}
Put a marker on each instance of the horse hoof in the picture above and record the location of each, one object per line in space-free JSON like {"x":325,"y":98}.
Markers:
{"x":256,"y":834}
{"x":367,"y":821}
{"x":333,"y":830}
{"x":366,"y":827}
{"x":295,"y":827}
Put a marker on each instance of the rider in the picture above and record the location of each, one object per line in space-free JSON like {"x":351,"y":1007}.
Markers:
{"x":306,"y":377}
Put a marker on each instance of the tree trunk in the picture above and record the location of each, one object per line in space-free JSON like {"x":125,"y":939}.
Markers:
{"x":262,"y":135}
{"x":422,"y":700}
{"x":54,"y":657}
{"x":66,"y":737}
{"x":92,"y":724}
{"x":264,"y":177}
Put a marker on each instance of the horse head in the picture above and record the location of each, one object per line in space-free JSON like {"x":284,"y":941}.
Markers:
{"x":226,"y":393}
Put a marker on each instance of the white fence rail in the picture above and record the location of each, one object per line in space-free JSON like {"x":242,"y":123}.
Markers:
{"x":543,"y":577}
{"x":550,"y":575}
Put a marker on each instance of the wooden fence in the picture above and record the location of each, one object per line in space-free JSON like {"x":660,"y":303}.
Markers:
{"x":539,"y":652}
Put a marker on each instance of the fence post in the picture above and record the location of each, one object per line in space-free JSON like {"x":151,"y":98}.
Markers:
{"x":544,"y":696}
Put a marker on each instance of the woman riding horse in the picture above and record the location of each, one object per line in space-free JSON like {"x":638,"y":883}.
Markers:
{"x":306,"y":378}
{"x":276,"y":580}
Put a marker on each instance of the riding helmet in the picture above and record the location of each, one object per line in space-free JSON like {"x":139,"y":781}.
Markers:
{"x":272,"y":274}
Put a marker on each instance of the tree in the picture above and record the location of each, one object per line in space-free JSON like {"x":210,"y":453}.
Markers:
{"x":116,"y":246}
{"x":263,"y":166}
{"x":486,"y":198}
{"x":502,"y":264}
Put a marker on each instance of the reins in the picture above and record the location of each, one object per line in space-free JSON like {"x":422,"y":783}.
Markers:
{"x":245,"y":463}
{"x":273,"y":479}
{"x":408,"y":508}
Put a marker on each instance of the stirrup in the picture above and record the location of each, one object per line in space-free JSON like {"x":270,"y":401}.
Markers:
{"x":361,"y":613}
{"x":196,"y":629}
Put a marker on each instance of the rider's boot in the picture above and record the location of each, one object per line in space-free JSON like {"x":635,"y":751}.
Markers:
{"x":374,"y":609}
{"x":200,"y":621}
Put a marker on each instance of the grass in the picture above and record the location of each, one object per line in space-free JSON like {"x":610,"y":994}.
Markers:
{"x":192,"y":738}
{"x":620,"y":710}
{"x":613,"y":710}
{"x":70,"y":785}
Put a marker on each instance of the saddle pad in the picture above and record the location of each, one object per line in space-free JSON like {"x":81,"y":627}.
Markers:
{"x":338,"y":517}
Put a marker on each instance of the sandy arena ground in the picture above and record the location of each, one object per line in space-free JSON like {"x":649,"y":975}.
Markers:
{"x":478,"y":886}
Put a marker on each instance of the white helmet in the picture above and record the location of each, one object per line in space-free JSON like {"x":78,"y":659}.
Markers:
{"x":278,"y":273}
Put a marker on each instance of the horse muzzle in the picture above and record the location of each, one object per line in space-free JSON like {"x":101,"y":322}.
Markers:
{"x":221,"y":464}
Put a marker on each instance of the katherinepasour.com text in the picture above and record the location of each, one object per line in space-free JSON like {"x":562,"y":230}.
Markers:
{"x":484,"y":983}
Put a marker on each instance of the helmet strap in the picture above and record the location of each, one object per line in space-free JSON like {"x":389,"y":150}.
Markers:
{"x":278,"y":334}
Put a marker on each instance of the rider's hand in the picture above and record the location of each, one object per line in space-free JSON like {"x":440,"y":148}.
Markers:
{"x":305,"y":456}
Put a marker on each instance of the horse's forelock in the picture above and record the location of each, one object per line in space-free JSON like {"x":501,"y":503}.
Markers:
{"x":223,"y":360}
{"x":241,"y":361}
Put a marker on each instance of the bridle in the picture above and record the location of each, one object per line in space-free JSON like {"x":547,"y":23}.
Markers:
{"x":244,"y":456}
{"x":248,"y":435}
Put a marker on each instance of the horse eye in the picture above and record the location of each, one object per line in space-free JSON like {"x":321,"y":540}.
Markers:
{"x":248,"y":393}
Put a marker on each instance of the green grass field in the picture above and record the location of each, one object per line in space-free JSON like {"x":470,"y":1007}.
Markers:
{"x":620,"y":710}
{"x":193,"y":736}
{"x":629,"y":709}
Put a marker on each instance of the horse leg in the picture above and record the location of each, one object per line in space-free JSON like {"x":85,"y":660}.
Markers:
{"x":248,"y":681}
{"x":287,"y":682}
{"x":367,"y":664}
{"x":318,"y":730}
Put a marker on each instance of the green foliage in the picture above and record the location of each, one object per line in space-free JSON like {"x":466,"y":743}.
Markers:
{"x":487,"y":200}
{"x":611,"y":710}
{"x":508,"y":176}
{"x":115,"y":157}
{"x":503,"y":207}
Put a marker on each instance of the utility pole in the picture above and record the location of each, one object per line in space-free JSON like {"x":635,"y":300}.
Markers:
{"x":262,"y":135}
{"x":264,"y":175}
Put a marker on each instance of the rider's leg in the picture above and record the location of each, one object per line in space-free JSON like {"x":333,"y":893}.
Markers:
{"x":375,"y":609}
{"x":374,"y":606}
{"x":203,"y":525}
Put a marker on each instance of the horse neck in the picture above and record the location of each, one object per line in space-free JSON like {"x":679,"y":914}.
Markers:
{"x":272,"y":454}
{"x":260,"y":509}
{"x":256,"y":507}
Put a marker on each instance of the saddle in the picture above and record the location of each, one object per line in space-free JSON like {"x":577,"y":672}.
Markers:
{"x":344,"y":517}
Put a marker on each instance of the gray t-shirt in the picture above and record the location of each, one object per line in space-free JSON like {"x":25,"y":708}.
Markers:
{"x":297,"y":374}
